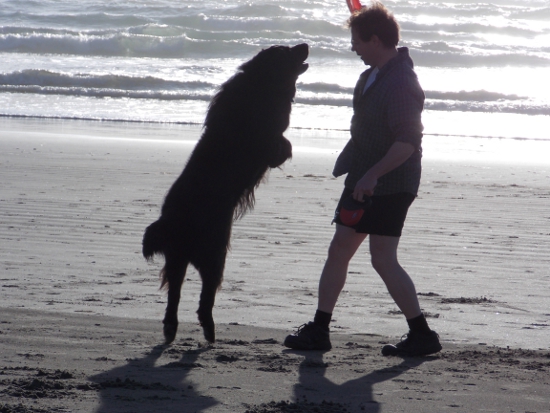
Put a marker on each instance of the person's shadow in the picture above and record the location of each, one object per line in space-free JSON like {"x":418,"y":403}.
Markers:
{"x":314,"y":386}
{"x":141,"y":386}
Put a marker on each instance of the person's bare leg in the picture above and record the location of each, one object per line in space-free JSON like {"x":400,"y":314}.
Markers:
{"x":315,"y":335}
{"x":383,"y":251}
{"x":421,"y":340}
{"x":342,"y":248}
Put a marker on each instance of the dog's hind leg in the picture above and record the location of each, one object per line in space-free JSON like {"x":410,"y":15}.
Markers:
{"x":173,"y":275}
{"x":211,"y":275}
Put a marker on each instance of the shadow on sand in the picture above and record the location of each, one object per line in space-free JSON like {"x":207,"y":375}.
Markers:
{"x":189,"y":378}
{"x":357,"y":394}
{"x":142,"y":386}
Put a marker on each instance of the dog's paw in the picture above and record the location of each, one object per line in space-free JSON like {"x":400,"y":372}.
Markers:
{"x":281,"y":153}
{"x":170,"y":330}
{"x":209,"y":330}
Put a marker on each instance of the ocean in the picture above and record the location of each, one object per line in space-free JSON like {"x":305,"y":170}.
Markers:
{"x":483,"y":66}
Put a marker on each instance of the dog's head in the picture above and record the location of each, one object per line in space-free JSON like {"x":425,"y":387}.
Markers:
{"x":278,"y":63}
{"x":262,"y":91}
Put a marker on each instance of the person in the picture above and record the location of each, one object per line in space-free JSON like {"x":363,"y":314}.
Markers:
{"x":382,"y":161}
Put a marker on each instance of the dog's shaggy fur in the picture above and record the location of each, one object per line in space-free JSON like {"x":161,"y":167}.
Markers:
{"x":242,"y":138}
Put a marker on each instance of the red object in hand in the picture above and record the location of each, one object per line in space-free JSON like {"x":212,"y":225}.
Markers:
{"x":351,"y":211}
{"x":354,"y":5}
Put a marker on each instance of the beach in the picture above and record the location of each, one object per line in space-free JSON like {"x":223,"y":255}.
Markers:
{"x":81,"y":310}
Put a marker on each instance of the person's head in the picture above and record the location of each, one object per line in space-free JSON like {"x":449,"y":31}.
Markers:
{"x":375,"y":20}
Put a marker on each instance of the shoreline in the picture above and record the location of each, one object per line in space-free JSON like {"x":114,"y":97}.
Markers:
{"x":436,"y":147}
{"x":295,"y":130}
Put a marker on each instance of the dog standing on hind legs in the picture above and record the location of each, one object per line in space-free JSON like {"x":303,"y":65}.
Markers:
{"x":242,"y":138}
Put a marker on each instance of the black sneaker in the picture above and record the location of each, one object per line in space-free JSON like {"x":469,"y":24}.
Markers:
{"x":309,"y":337}
{"x":416,"y":344}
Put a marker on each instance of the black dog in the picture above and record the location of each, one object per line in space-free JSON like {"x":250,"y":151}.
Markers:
{"x":242,"y":138}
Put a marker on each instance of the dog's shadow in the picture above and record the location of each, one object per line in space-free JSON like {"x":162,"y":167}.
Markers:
{"x":141,"y":386}
{"x":314,"y":386}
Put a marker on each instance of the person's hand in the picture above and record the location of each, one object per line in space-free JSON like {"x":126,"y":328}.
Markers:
{"x":365,"y":186}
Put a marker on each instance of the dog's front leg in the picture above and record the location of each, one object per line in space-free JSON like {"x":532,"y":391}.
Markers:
{"x":281,"y":152}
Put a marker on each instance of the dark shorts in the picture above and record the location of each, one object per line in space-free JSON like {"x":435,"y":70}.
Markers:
{"x":386,"y":215}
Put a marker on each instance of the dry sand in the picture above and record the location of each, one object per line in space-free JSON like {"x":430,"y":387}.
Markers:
{"x":80,"y":309}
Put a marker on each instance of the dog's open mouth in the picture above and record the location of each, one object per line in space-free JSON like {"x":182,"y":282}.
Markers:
{"x":301,"y":53}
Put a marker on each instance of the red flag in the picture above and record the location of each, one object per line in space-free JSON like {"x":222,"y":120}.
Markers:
{"x":354,"y":5}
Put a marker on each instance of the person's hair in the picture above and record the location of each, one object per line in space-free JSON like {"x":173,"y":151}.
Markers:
{"x":377,"y":20}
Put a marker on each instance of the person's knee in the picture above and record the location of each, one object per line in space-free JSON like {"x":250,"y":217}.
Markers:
{"x":383,"y":258}
{"x":382,"y":264}
{"x":340,"y":250}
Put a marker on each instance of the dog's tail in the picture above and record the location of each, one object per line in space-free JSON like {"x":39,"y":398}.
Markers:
{"x":154,"y":239}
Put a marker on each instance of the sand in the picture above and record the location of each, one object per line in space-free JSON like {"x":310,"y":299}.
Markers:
{"x":80,"y":309}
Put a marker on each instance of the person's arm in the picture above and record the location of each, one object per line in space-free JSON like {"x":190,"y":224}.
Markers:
{"x":398,"y":153}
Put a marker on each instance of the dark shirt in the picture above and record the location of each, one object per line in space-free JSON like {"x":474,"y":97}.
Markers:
{"x":388,"y":112}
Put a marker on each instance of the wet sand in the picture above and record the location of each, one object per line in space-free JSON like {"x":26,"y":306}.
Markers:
{"x":81,"y":309}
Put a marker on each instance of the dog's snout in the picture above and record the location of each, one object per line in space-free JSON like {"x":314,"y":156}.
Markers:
{"x":301,"y":51}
